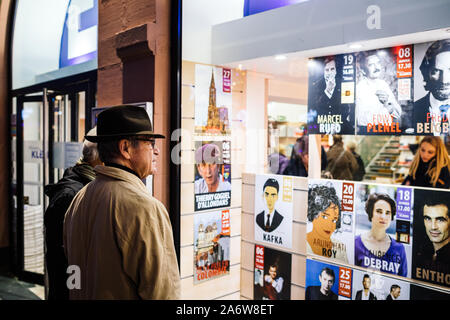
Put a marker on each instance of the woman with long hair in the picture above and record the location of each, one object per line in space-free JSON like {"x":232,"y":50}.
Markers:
{"x":430,"y":166}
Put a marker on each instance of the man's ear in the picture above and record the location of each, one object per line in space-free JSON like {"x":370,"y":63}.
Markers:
{"x":124,"y":148}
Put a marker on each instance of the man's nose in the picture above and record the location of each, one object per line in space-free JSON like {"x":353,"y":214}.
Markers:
{"x":433,"y":224}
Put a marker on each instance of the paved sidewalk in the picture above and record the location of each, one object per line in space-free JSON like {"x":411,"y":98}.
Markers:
{"x":13,"y":289}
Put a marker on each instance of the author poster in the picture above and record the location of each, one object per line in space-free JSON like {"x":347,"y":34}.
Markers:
{"x":383,"y":233}
{"x":272,"y":276}
{"x":213,"y":100}
{"x":384,"y":91}
{"x":432,"y":88}
{"x":274,"y":209}
{"x":211,"y":245}
{"x":431,"y":248}
{"x":326,"y":281}
{"x":372,"y":286}
{"x":331,"y":95}
{"x":212,"y":185}
{"x":330,"y":219}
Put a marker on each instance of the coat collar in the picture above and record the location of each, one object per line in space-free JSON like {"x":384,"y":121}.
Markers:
{"x":119,"y":174}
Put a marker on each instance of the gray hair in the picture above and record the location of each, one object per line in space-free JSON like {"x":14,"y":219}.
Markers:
{"x":90,"y":151}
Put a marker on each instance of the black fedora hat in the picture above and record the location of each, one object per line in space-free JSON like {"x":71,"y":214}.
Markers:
{"x":123,"y":121}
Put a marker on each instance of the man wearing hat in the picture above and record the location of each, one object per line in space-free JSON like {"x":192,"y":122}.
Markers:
{"x":118,"y":235}
{"x":209,"y":162}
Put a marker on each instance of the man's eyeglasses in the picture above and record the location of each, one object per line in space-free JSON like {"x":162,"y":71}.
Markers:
{"x":152,"y":141}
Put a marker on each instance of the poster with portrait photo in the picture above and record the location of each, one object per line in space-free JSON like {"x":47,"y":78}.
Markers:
{"x":213,"y":100}
{"x":331,"y":94}
{"x":274,"y":197}
{"x":330,"y":219}
{"x":212,"y":185}
{"x":326,"y":281}
{"x":374,"y":286}
{"x":211,"y":245}
{"x":432,"y":88}
{"x":383,"y":228}
{"x":431,"y":247}
{"x":384,"y":89}
{"x":272,"y":274}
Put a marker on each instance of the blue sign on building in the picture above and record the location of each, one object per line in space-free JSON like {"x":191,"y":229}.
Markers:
{"x":79,"y":37}
{"x":257,"y":6}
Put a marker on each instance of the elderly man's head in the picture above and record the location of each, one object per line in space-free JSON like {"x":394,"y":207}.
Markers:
{"x":139,"y":153}
{"x":90,"y":151}
{"x":125,"y":136}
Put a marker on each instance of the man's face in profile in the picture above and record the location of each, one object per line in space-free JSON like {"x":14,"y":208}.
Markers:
{"x":396,"y":293}
{"x":439,"y":76}
{"x":271,"y":196}
{"x":326,"y":282}
{"x":437,"y":223}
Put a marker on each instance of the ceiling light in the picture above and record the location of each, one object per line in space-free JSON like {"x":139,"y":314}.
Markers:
{"x":355,"y":46}
{"x":280,"y":57}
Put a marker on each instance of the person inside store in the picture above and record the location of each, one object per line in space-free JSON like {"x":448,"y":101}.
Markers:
{"x":341,"y":163}
{"x":394,"y":293}
{"x":115,"y":231}
{"x":434,"y":251}
{"x":375,"y":248}
{"x":375,"y":103}
{"x":298,"y":164}
{"x":277,"y":161}
{"x":273,"y":284}
{"x":60,"y":196}
{"x":358,"y":175}
{"x":324,"y":212}
{"x":209,"y":164}
{"x":324,"y":291}
{"x":430,"y":165}
{"x":270,"y":219}
{"x":365,"y":293}
{"x":435,"y":69}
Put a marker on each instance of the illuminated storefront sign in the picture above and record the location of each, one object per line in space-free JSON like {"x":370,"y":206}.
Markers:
{"x":79,"y":38}
{"x":257,"y":6}
{"x":53,"y":39}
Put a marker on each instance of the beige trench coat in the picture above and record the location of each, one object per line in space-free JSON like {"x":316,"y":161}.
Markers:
{"x":121,"y":239}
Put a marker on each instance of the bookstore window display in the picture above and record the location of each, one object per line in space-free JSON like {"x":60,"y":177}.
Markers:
{"x":378,"y":136}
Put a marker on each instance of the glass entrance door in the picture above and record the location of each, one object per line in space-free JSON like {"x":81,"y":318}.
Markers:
{"x":47,"y":135}
{"x":32,"y":170}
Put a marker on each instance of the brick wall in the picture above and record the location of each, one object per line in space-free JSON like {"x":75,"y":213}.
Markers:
{"x":131,"y":34}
